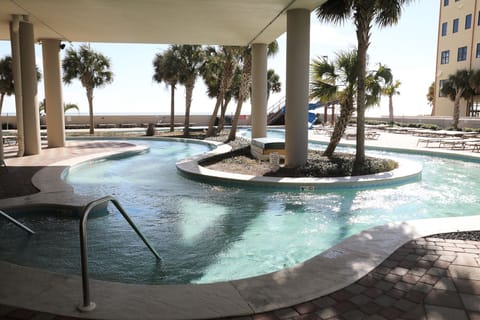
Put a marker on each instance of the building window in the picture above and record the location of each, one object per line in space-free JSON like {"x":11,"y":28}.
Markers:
{"x":445,"y":3}
{"x":440,"y":86}
{"x":468,"y":21}
{"x":455,"y":25}
{"x":444,"y":29}
{"x":478,"y":20}
{"x":477,"y":54}
{"x":462,"y":54}
{"x":445,"y":58}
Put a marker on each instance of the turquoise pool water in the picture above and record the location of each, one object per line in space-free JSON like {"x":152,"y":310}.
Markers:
{"x":207,"y":233}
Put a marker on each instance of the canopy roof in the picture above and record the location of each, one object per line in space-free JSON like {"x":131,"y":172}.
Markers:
{"x":225,"y":22}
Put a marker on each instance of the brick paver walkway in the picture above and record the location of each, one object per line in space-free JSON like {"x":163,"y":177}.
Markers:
{"x":427,"y":279}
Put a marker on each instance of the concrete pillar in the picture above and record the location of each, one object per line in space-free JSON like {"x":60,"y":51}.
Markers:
{"x":17,"y":78}
{"x":297,"y":87}
{"x":31,"y":120}
{"x":53,"y":93}
{"x":259,"y":90}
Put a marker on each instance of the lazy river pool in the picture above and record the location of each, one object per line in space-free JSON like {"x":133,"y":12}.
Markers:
{"x":207,"y":233}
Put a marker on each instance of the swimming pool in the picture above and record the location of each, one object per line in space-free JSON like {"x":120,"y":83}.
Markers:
{"x":208,"y":233}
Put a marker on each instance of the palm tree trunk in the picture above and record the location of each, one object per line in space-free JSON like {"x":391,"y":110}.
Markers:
{"x":233,"y":129}
{"x":363,"y":21}
{"x":226,"y":83}
{"x":390,"y":108}
{"x":188,"y":102}
{"x":172,"y":108}
{"x":245,"y":81}
{"x":221,"y":122}
{"x":2,"y":96}
{"x":90,"y":109}
{"x":456,"y":109}
{"x":211,"y":124}
{"x":338,"y":130}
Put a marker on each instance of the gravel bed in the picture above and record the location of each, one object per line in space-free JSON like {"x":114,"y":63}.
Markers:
{"x":463,"y":235}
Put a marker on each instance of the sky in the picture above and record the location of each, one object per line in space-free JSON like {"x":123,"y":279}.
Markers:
{"x":408,"y":48}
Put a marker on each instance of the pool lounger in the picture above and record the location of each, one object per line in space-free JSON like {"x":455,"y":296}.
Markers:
{"x":436,"y":141}
{"x":458,"y":143}
{"x":473,"y":145}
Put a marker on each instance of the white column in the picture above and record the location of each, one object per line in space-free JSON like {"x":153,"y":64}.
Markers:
{"x":17,"y":78}
{"x":296,"y":100}
{"x":53,"y":93}
{"x":31,"y":122}
{"x":259,"y":90}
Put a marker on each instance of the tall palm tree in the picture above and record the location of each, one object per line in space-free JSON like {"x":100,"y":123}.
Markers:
{"x":91,"y":68}
{"x":218,"y":73}
{"x":166,"y":70}
{"x":390,"y":90}
{"x":363,"y":13}
{"x":431,"y":95}
{"x":273,"y":83}
{"x":189,"y":60}
{"x":336,"y":81}
{"x":7,"y":88}
{"x":457,"y":87}
{"x":6,"y":79}
{"x":246,"y":57}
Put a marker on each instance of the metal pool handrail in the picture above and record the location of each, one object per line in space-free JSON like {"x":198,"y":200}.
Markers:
{"x":16,"y":222}
{"x":89,"y":305}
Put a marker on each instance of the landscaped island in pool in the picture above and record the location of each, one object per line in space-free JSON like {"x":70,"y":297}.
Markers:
{"x":208,"y":233}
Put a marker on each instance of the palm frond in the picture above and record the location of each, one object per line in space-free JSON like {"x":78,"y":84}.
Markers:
{"x":336,"y":11}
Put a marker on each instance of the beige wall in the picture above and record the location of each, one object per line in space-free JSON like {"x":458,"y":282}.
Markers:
{"x":452,"y":41}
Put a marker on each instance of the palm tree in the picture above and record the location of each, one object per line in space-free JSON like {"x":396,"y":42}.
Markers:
{"x":457,"y":87}
{"x":364,"y":13}
{"x":42,"y":108}
{"x":91,"y":68}
{"x":336,"y":81}
{"x":166,"y":70}
{"x":6,"y":79}
{"x":273,"y":83}
{"x":431,"y":95}
{"x":218,"y":74}
{"x":189,"y":60}
{"x":246,"y":76}
{"x":7,"y":88}
{"x":390,"y":90}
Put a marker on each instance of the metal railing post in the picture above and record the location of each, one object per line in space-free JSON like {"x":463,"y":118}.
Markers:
{"x":16,"y":222}
{"x":89,"y":305}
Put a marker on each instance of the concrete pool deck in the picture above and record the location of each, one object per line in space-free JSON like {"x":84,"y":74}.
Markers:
{"x":359,"y":278}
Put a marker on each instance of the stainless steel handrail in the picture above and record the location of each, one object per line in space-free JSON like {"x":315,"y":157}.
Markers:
{"x":89,"y":305}
{"x":16,"y":222}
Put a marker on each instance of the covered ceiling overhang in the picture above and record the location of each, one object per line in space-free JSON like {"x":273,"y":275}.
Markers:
{"x":222,"y":22}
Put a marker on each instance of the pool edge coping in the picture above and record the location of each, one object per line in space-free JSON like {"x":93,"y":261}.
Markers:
{"x":407,"y":170}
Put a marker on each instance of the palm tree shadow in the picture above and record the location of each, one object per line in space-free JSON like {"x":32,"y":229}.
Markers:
{"x":206,"y":246}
